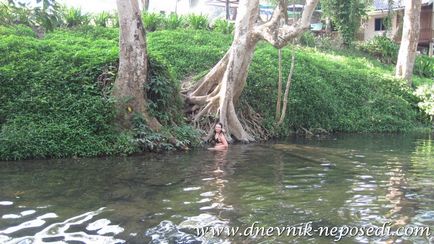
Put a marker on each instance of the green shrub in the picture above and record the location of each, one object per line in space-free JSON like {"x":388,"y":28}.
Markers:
{"x":152,"y":21}
{"x":32,"y":137}
{"x":163,"y":92}
{"x":167,"y":139}
{"x":424,"y":66}
{"x":102,"y":19}
{"x":173,"y":21}
{"x":15,"y":15}
{"x":197,"y":22}
{"x":332,"y":92}
{"x":51,"y":106}
{"x":89,"y":32}
{"x":54,"y":105}
{"x":73,"y":17}
{"x":17,"y":30}
{"x":382,"y":48}
{"x":307,"y":39}
{"x":426,"y":95}
{"x":223,"y":26}
{"x":179,"y":47}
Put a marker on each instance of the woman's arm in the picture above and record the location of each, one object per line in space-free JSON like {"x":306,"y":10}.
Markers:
{"x":223,"y":140}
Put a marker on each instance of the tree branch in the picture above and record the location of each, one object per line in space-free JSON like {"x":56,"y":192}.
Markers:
{"x":278,"y":35}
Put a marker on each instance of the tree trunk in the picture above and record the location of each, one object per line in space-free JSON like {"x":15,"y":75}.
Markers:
{"x":218,"y":93}
{"x":145,"y":5}
{"x":279,"y":86}
{"x":409,"y":41}
{"x":227,"y":9}
{"x":128,"y":88}
{"x":288,"y":85}
{"x":234,"y":15}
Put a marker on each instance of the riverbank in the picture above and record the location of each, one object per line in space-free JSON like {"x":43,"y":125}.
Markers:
{"x":55,"y":92}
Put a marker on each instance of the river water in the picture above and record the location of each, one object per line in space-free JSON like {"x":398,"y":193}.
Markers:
{"x":346,"y":182}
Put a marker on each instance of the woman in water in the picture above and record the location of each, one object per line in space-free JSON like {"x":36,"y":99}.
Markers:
{"x":219,"y":138}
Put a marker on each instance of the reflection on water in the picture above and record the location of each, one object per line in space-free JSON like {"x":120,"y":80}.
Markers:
{"x":61,"y":231}
{"x":345,"y":180}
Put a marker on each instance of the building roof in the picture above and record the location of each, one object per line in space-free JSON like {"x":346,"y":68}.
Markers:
{"x":379,"y":5}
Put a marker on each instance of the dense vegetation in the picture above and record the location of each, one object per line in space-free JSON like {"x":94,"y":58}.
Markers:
{"x":54,"y":92}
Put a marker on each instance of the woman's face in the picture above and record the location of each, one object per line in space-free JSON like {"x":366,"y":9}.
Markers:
{"x":218,"y":128}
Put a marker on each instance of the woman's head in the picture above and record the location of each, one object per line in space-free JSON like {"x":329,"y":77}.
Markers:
{"x":218,"y":127}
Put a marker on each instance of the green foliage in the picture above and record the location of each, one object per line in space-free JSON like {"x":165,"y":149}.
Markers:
{"x":332,"y":92}
{"x":186,"y":135}
{"x":11,"y":14}
{"x":223,"y":26}
{"x":163,"y":92}
{"x":51,"y":106}
{"x":323,"y":42}
{"x":27,"y":136}
{"x":44,"y":14}
{"x":55,"y":105}
{"x":424,"y":66}
{"x":386,"y":51}
{"x":17,"y":30}
{"x":382,"y":48}
{"x":73,"y":17}
{"x":173,"y":21}
{"x":346,"y":15}
{"x":148,"y":140}
{"x":197,"y":22}
{"x":152,"y":21}
{"x":308,"y":39}
{"x":102,"y":19}
{"x":425,"y":93}
{"x":188,"y":51}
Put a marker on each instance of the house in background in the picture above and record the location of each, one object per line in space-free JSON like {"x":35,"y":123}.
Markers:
{"x":216,"y":9}
{"x":181,"y":7}
{"x":375,"y":23}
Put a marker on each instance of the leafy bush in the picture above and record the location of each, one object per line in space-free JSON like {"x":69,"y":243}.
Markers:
{"x":152,"y":21}
{"x":90,"y":32}
{"x":50,"y":104}
{"x":179,"y":47}
{"x":17,"y":30}
{"x":308,"y":39}
{"x":197,"y":22}
{"x":32,"y":137}
{"x":53,"y":104}
{"x":426,"y":95}
{"x":332,"y":92}
{"x":386,"y":51}
{"x":43,"y":16}
{"x":165,"y":140}
{"x":163,"y":92}
{"x":382,"y":48}
{"x":424,"y":66}
{"x":173,"y":21}
{"x":223,"y":26}
{"x":73,"y":17}
{"x":102,"y":19}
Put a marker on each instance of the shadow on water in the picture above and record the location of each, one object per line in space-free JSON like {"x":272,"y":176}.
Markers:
{"x":349,"y":180}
